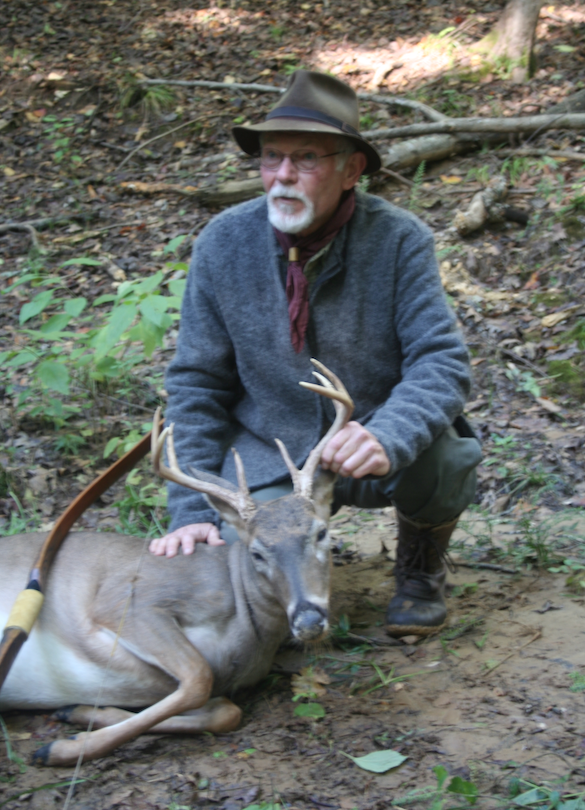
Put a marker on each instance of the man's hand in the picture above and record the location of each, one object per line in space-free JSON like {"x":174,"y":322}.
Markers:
{"x":355,"y":452}
{"x":186,"y":537}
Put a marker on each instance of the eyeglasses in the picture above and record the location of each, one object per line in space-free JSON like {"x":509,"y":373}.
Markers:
{"x":303,"y":161}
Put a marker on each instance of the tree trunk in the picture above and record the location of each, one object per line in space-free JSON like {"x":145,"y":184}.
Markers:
{"x":511,"y":40}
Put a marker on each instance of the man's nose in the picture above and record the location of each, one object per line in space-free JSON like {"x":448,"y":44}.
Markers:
{"x":287,"y":171}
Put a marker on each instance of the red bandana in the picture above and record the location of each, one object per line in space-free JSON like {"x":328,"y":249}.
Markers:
{"x":299,"y":250}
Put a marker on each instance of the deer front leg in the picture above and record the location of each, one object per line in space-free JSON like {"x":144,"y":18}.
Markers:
{"x":157,"y":639}
{"x":217,"y":715}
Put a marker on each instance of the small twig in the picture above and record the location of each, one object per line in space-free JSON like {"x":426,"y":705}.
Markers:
{"x":486,"y":567}
{"x":524,"y":361}
{"x":22,"y":226}
{"x":156,"y":138}
{"x":38,"y":224}
{"x":536,"y":636}
{"x":396,"y":176}
{"x":553,"y":153}
{"x":396,"y":101}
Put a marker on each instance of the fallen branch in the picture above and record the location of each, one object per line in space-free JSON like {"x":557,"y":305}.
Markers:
{"x":411,"y":153}
{"x":156,"y":138}
{"x":398,"y":177}
{"x":46,"y":222}
{"x":434,"y":115}
{"x":483,"y":125}
{"x":486,"y":567}
{"x":563,"y":154}
{"x":228,"y":193}
{"x":22,"y":226}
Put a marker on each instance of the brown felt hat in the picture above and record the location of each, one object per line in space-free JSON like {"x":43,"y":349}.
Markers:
{"x":312,"y":102}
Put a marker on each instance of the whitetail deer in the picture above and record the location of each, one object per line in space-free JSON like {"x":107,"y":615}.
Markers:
{"x":118,"y":628}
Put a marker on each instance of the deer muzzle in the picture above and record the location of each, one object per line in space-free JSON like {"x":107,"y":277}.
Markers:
{"x":309,"y":622}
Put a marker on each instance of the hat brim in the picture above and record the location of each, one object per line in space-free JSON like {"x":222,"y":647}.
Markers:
{"x":248,"y":137}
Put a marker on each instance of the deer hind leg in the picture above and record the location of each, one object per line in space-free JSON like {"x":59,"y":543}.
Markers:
{"x":217,"y":715}
{"x":160,"y":640}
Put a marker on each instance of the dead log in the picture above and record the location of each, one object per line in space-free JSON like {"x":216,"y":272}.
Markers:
{"x":529,"y":123}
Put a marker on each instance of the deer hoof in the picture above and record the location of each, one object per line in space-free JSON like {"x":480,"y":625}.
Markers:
{"x":42,"y":756}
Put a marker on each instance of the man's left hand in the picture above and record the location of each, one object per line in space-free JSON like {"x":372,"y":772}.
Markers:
{"x":355,"y":452}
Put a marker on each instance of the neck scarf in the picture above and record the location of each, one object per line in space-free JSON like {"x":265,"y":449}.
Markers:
{"x":299,"y":250}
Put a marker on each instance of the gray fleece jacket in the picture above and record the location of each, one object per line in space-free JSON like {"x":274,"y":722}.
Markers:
{"x":378,"y":319}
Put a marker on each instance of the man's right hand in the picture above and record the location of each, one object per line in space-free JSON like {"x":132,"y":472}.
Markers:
{"x":185,"y":538}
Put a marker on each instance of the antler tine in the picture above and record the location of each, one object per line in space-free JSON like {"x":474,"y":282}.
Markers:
{"x":241,"y":500}
{"x":333,"y":388}
{"x":247,"y":506}
{"x":294,"y":472}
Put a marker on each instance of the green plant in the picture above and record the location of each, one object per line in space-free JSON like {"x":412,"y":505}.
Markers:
{"x":277,"y":32}
{"x":567,"y":376}
{"x":62,"y":340}
{"x":413,"y":201}
{"x":367,"y":121}
{"x":60,"y":132}
{"x":10,"y":753}
{"x":153,"y":99}
{"x":545,"y":796}
{"x":578,"y":679}
{"x":479,"y":173}
{"x":444,"y":792}
{"x":139,"y":509}
{"x":523,"y":380}
{"x":575,"y":580}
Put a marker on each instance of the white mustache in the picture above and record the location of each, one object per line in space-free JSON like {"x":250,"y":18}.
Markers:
{"x":280,"y":190}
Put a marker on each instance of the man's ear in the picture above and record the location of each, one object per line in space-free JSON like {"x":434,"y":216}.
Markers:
{"x":354,"y":167}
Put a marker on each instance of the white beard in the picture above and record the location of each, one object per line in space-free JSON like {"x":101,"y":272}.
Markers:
{"x":289,"y":221}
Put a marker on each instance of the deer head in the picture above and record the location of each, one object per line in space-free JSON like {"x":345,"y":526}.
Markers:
{"x":287,"y":538}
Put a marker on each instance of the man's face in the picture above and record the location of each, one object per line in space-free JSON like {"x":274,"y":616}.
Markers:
{"x":300,"y":202}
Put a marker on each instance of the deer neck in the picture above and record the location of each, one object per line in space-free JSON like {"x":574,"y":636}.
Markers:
{"x":256,"y":601}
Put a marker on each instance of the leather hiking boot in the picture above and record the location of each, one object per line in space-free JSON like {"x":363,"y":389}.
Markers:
{"x":418,"y":607}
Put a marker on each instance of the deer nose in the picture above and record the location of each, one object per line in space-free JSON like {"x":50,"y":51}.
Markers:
{"x":309,"y":622}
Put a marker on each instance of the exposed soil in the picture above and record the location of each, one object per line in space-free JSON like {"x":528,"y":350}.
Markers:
{"x":490,"y":698}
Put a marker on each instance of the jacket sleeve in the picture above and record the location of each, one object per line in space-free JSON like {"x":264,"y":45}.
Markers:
{"x":435,"y":375}
{"x":201,"y":382}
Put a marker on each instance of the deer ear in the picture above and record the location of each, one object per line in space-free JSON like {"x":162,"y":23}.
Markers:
{"x":227,"y":513}
{"x":322,"y":497}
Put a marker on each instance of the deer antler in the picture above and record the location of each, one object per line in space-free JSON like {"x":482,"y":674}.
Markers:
{"x":238,"y":498}
{"x":332,"y":387}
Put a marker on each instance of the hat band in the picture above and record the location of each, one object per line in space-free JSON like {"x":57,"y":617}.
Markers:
{"x":313,"y":115}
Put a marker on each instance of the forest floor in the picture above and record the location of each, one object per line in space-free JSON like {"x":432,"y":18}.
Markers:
{"x":496,"y":699}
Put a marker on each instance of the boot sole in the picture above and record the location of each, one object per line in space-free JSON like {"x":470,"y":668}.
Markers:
{"x":398,"y":630}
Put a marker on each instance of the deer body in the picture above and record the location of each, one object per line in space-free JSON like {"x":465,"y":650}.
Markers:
{"x":122,"y":628}
{"x":64,"y":659}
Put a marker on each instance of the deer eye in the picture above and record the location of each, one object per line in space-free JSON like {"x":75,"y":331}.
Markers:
{"x":322,"y":535}
{"x":257,"y":557}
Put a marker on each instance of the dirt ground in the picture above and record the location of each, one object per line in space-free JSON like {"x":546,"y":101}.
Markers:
{"x":489,"y":699}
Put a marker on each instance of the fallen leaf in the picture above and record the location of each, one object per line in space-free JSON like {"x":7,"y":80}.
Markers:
{"x":9,"y":172}
{"x":378,"y":761}
{"x":556,"y":317}
{"x":451,"y":178}
{"x":310,"y":681}
{"x":549,"y":405}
